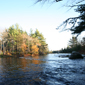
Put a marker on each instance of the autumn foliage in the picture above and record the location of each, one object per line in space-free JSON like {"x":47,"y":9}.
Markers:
{"x":16,"y":41}
{"x":35,"y":49}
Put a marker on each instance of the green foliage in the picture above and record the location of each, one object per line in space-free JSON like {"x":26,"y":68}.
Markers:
{"x":73,"y":42}
{"x":39,"y":36}
{"x":81,"y":23}
{"x":74,"y":47}
{"x":16,"y":41}
{"x":1,"y":53}
{"x":69,"y":50}
{"x":43,"y":48}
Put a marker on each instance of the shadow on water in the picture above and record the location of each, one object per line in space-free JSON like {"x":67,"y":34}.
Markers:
{"x":42,"y":70}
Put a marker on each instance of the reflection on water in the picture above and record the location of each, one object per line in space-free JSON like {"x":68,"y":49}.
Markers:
{"x":42,"y":70}
{"x":13,"y":63}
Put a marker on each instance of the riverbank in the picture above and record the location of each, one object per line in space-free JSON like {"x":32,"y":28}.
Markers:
{"x":19,"y":55}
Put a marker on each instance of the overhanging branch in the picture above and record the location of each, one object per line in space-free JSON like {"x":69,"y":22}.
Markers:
{"x":71,"y":21}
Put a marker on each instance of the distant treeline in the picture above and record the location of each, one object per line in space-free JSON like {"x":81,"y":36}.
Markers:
{"x":55,"y":51}
{"x":73,"y":45}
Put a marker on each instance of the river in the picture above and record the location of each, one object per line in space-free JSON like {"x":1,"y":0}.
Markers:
{"x":42,"y":70}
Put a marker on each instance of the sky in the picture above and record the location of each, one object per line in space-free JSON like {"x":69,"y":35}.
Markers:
{"x":44,"y":17}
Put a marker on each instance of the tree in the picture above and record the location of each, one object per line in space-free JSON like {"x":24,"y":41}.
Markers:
{"x":15,"y":41}
{"x":15,"y":37}
{"x":39,"y":36}
{"x":83,"y":41}
{"x":35,"y":49}
{"x":70,"y":3}
{"x":43,"y":47}
{"x":73,"y":42}
{"x":4,"y":40}
{"x":77,"y":23}
{"x":81,"y":23}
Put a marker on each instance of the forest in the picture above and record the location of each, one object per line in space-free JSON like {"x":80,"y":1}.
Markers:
{"x":16,"y":42}
{"x":75,"y":45}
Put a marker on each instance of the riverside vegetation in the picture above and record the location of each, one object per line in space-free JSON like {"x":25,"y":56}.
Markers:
{"x":16,"y":42}
{"x":75,"y":45}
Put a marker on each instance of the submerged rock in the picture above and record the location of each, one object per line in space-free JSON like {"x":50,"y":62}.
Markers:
{"x":63,"y":56}
{"x":75,"y":55}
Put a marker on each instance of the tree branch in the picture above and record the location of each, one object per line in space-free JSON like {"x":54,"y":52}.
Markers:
{"x":72,"y":21}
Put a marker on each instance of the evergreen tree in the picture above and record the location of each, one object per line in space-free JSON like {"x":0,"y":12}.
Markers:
{"x":78,"y":22}
{"x":16,"y":41}
{"x":43,"y":48}
{"x":81,"y":23}
{"x":39,"y":36}
{"x":83,"y":41}
{"x":73,"y":42}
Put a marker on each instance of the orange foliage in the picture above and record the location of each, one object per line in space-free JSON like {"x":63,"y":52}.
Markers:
{"x":35,"y":49}
{"x":26,"y":55}
{"x":24,"y":47}
{"x":8,"y":53}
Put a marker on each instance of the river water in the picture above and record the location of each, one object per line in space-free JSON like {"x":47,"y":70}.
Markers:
{"x":42,"y":70}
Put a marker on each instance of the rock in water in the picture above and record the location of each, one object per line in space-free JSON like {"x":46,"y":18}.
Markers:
{"x":75,"y":55}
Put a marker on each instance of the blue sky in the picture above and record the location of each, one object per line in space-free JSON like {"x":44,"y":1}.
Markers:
{"x":45,"y":17}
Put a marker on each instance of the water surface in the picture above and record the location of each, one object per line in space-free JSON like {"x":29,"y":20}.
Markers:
{"x":42,"y":70}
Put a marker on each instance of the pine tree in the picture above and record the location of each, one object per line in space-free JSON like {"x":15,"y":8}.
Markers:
{"x":78,"y":22}
{"x":43,"y":47}
{"x":73,"y":42}
{"x":81,"y":23}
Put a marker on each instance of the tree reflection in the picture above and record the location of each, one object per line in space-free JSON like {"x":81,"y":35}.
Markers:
{"x":13,"y":68}
{"x":36,"y":60}
{"x":23,"y":64}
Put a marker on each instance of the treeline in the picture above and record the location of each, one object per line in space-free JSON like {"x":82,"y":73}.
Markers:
{"x":75,"y":45}
{"x":16,"y":41}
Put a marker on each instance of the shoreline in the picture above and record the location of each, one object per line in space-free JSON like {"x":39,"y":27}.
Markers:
{"x":19,"y":55}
